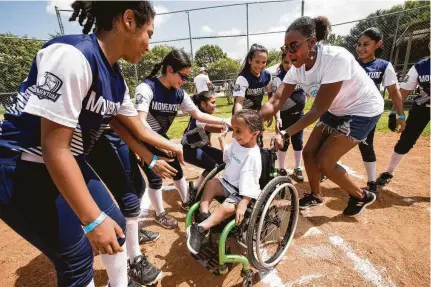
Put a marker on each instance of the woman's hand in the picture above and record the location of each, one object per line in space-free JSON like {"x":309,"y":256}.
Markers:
{"x":278,"y":125}
{"x":279,"y":141}
{"x":103,"y":238}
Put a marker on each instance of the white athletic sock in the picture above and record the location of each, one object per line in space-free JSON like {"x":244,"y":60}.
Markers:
{"x":199,"y":181}
{"x":181,"y":186}
{"x":156,"y":199}
{"x":145,"y":204}
{"x":394,"y":162}
{"x":132,"y":238}
{"x":370,"y":167}
{"x":116,"y":267}
{"x":298,"y":157}
{"x":281,"y":159}
{"x":91,"y":284}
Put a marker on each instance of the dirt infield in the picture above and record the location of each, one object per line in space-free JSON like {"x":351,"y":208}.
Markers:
{"x":388,"y":245}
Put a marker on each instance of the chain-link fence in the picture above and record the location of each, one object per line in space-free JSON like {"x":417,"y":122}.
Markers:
{"x":406,"y":34}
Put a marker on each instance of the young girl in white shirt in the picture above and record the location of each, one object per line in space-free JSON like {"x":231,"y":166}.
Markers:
{"x":240,"y":181}
{"x":347,"y":103}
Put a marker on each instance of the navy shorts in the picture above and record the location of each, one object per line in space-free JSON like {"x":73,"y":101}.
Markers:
{"x":355,"y":127}
{"x":117,"y":166}
{"x":32,"y":206}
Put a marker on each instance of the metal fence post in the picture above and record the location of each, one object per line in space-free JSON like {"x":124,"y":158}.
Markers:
{"x":246,"y":15}
{"x":406,"y":59}
{"x":136,"y":74}
{"x":302,"y":7}
{"x":395,"y":38}
{"x":190,"y":35}
{"x":57,"y":12}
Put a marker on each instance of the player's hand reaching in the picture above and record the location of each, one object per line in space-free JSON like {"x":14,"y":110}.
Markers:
{"x":103,"y":238}
{"x":163,"y":169}
{"x":279,"y":141}
{"x":401,"y":124}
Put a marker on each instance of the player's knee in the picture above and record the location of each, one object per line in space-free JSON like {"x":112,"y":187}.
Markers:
{"x":77,"y":269}
{"x":308,"y":155}
{"x":130,"y":205}
{"x":403,"y":147}
{"x":155,"y":183}
{"x":324,"y":165}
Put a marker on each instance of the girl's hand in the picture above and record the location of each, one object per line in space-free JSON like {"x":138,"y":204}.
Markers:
{"x":240,"y":211}
{"x":401,"y":124}
{"x":227,"y":121}
{"x":223,"y":134}
{"x":279,"y":141}
{"x":278,"y":125}
{"x":163,"y":169}
{"x":177,"y":149}
{"x":103,"y":238}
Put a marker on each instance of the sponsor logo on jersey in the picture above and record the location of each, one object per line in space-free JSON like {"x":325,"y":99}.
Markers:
{"x":102,"y":106}
{"x":374,"y":75}
{"x":237,"y":88}
{"x":164,"y":107}
{"x":139,"y":99}
{"x":424,"y":78}
{"x":256,"y":91}
{"x":47,"y":87}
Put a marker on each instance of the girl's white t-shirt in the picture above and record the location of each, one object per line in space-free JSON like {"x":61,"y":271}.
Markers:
{"x":243,"y":169}
{"x":358,"y":94}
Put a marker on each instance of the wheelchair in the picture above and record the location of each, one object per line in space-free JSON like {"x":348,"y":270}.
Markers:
{"x":265,"y":233}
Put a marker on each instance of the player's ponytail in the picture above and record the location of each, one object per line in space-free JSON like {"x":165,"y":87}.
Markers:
{"x":376,"y":35}
{"x":202,"y":97}
{"x":319,"y":27}
{"x":155,"y":70}
{"x":102,"y":14}
{"x":250,"y":55}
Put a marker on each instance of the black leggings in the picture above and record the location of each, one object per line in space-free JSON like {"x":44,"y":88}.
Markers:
{"x":289,"y":119}
{"x":419,"y":117}
{"x":367,"y":150}
{"x":205,"y":157}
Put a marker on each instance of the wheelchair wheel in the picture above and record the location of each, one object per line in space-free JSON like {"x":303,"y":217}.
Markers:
{"x":272,"y":223}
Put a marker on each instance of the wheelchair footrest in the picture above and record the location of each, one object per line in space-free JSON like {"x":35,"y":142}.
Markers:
{"x":209,"y":259}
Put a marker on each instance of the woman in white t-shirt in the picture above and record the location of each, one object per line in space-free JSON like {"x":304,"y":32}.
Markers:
{"x":347,"y":103}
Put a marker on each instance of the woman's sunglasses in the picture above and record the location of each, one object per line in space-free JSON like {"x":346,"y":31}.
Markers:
{"x":185,"y":78}
{"x":293,"y":48}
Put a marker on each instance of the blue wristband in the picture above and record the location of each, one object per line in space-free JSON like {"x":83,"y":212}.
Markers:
{"x":90,"y":227}
{"x":402,"y":117}
{"x":393,"y":112}
{"x":153,"y":162}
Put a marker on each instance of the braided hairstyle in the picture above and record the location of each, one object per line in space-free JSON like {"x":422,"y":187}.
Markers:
{"x":177,"y":59}
{"x":102,"y":14}
{"x":318,"y":27}
{"x":251,"y":118}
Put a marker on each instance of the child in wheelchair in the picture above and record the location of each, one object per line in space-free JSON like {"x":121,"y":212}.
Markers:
{"x":240,"y":180}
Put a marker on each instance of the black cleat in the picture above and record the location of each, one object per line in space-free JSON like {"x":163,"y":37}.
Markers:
{"x":143,"y":272}
{"x":309,"y":200}
{"x":195,"y":236}
{"x":384,"y":179}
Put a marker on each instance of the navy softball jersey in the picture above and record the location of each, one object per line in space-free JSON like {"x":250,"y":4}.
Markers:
{"x":419,"y":74}
{"x":195,"y":134}
{"x":70,"y":83}
{"x":295,"y":104}
{"x":161,"y":104}
{"x":252,"y":88}
{"x":380,"y":71}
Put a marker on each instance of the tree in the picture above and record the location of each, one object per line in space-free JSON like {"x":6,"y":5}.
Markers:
{"x":16,"y":56}
{"x":223,"y":68}
{"x":209,"y":54}
{"x":387,"y":25}
{"x":274,"y":57}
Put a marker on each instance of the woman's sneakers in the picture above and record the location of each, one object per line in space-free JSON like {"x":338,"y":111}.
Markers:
{"x":297,"y":175}
{"x":195,"y":236}
{"x":309,"y":200}
{"x":143,"y":272}
{"x":147,"y":236}
{"x":166,"y":220}
{"x":384,"y":179}
{"x":355,"y":205}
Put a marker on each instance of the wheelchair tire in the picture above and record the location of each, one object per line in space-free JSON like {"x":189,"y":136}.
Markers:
{"x":279,"y":185}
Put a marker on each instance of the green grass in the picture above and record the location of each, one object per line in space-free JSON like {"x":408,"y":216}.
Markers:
{"x":224,"y":110}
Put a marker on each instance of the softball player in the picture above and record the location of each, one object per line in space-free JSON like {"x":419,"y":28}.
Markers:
{"x":419,"y":116}
{"x":369,"y":47}
{"x":49,"y":194}
{"x":158,"y":100}
{"x":290,"y":113}
{"x":252,"y":82}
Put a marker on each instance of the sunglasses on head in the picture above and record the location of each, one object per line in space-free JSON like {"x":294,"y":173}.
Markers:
{"x":293,"y":48}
